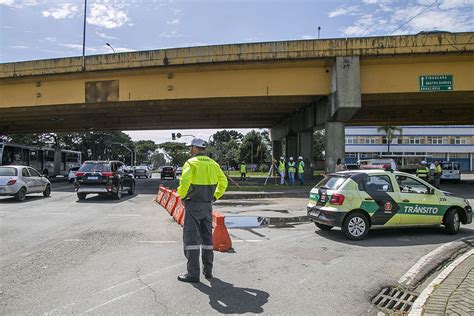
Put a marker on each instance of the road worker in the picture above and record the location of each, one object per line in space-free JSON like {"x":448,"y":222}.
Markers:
{"x":291,"y":171}
{"x":438,"y":171}
{"x":301,"y":170}
{"x":243,"y":171}
{"x":282,"y":169}
{"x":422,"y":171}
{"x":201,"y":183}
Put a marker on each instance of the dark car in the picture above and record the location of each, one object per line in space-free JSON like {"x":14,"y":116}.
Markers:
{"x":104,"y":177}
{"x":168,"y":172}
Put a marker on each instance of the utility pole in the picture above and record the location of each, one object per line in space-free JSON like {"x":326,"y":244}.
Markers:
{"x":319,"y":31}
{"x":84,"y":37}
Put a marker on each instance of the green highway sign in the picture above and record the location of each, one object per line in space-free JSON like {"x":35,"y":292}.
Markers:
{"x":436,"y":83}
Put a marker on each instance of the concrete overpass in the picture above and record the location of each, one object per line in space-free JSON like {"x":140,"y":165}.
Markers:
{"x":291,"y":87}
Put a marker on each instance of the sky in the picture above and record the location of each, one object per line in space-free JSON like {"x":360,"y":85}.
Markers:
{"x":39,"y":29}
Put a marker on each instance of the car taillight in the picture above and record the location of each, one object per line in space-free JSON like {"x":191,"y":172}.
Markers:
{"x":337,"y":199}
{"x":107,"y":174}
{"x":79,"y":174}
{"x":11,"y":182}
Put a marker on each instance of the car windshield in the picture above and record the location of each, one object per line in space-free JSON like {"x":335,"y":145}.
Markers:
{"x":74,"y":169}
{"x":91,"y":167}
{"x":331,"y":182}
{"x":8,"y":172}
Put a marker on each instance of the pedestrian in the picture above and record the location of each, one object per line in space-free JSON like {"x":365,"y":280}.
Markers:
{"x":301,"y":170}
{"x":422,"y":171}
{"x":201,"y":183}
{"x":339,"y":165}
{"x":282,"y":169}
{"x":438,"y":171}
{"x":291,"y":171}
{"x":243,"y":171}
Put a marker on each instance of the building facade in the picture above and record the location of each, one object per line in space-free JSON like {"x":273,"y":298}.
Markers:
{"x":447,"y":143}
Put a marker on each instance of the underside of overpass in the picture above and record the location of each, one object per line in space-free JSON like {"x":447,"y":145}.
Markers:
{"x":290,"y":87}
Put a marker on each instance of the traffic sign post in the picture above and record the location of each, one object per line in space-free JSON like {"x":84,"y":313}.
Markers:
{"x":436,"y":83}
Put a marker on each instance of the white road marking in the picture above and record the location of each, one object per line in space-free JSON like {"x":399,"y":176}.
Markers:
{"x":417,"y":307}
{"x":410,"y":275}
{"x":157,"y":241}
{"x":125,"y":215}
{"x":250,"y":240}
{"x":55,"y":213}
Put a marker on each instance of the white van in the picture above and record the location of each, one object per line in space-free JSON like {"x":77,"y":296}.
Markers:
{"x":451,"y":171}
{"x":378,"y":163}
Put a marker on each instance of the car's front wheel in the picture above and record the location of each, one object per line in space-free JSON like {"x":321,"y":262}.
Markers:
{"x":452,"y":222}
{"x":81,"y":196}
{"x":356,"y":226}
{"x":323,"y":227}
{"x":47,"y":191}
{"x":21,"y":195}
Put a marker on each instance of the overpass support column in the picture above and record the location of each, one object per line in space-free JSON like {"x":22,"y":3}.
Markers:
{"x":335,"y":144}
{"x":305,"y":144}
{"x":277,"y":149}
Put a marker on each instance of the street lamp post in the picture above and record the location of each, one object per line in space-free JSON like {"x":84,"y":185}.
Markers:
{"x":110,"y":47}
{"x":84,"y":37}
{"x":131,"y":153}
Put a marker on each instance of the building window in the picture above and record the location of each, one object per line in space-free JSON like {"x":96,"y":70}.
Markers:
{"x":458,"y":155}
{"x":414,"y":140}
{"x":351,"y":140}
{"x":459,"y":140}
{"x":435,"y":140}
{"x":351,"y":155}
{"x":437,"y":155}
{"x":369,"y":140}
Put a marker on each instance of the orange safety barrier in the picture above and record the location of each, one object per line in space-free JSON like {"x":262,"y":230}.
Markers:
{"x":178,"y":214}
{"x":172,"y":202}
{"x":220,"y":235}
{"x":166,"y":197}
{"x":159,"y":195}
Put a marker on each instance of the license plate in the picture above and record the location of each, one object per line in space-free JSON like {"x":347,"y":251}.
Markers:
{"x":92,"y":178}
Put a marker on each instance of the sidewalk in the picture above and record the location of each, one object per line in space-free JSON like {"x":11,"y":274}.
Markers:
{"x":455,"y":294}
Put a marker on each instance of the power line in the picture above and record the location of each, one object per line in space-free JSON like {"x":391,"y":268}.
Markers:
{"x":411,"y":19}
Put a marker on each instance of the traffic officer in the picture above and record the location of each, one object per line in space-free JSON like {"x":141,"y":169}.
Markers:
{"x":301,"y":169}
{"x":291,"y":171}
{"x":438,"y":171}
{"x":201,"y":183}
{"x":282,"y":169}
{"x":243,"y":171}
{"x":423,"y":172}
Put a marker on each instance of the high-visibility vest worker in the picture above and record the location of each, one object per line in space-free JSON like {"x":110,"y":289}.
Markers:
{"x":281,"y":166}
{"x":243,"y":168}
{"x":201,"y":182}
{"x":291,"y":167}
{"x":422,"y":172}
{"x":438,"y":170}
{"x":301,"y":167}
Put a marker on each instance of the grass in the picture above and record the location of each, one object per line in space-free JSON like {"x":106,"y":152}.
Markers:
{"x":236,"y":173}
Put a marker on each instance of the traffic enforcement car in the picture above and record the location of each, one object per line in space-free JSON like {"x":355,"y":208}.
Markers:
{"x":359,"y":200}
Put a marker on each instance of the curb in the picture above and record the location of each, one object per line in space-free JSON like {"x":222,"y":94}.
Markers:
{"x":417,"y":308}
{"x":263,"y":195}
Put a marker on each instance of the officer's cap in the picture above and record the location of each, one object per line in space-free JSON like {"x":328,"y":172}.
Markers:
{"x":198,"y":142}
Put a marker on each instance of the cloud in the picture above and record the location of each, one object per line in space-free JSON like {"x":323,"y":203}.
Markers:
{"x":19,"y":47}
{"x":173,"y":22}
{"x":19,"y":3}
{"x":7,"y":2}
{"x":96,"y":49}
{"x":408,"y":17}
{"x":341,"y":11}
{"x":103,"y":35}
{"x":64,"y":11}
{"x":107,"y":15}
{"x":172,"y":34}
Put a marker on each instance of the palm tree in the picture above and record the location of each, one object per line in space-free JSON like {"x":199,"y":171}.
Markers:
{"x":390,"y":132}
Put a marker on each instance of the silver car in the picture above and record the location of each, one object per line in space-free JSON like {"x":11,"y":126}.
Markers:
{"x":18,"y":181}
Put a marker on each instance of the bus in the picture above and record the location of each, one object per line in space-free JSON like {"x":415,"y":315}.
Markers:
{"x":50,"y":161}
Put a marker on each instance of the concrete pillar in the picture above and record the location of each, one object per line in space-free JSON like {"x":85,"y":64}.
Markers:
{"x":291,"y":146}
{"x":305,"y":149}
{"x":335,"y":144}
{"x":277,"y":149}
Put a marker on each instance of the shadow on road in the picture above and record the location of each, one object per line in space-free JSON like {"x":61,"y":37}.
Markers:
{"x":225,"y":298}
{"x":399,"y":237}
{"x":105,"y":199}
{"x":29,"y":198}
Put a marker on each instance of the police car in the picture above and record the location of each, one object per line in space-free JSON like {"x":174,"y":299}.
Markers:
{"x":359,"y":200}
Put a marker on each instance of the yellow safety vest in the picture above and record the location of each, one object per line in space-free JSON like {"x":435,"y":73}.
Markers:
{"x":422,"y":172}
{"x":291,"y":167}
{"x":438,"y":169}
{"x":281,"y":166}
{"x":301,"y":167}
{"x":202,"y":180}
{"x":243,"y":168}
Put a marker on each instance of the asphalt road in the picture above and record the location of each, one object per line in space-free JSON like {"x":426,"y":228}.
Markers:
{"x":100,"y":256}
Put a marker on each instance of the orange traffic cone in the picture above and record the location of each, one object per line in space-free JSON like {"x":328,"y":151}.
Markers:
{"x":220,"y":235}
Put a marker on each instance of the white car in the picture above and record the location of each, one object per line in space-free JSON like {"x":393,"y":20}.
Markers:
{"x":142,"y":171}
{"x":71,"y":177}
{"x":18,"y":181}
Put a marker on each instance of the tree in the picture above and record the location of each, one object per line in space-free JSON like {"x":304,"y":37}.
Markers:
{"x":255,"y":147}
{"x":224,"y":147}
{"x":390,"y":133}
{"x":144,"y":149}
{"x":225,"y":136}
{"x":319,"y":144}
{"x":177,"y":153}
{"x":157,"y":159}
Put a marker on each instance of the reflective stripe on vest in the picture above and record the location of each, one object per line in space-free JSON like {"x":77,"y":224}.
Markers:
{"x":243,"y":168}
{"x":301,"y":167}
{"x":291,"y":167}
{"x":281,"y":166}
